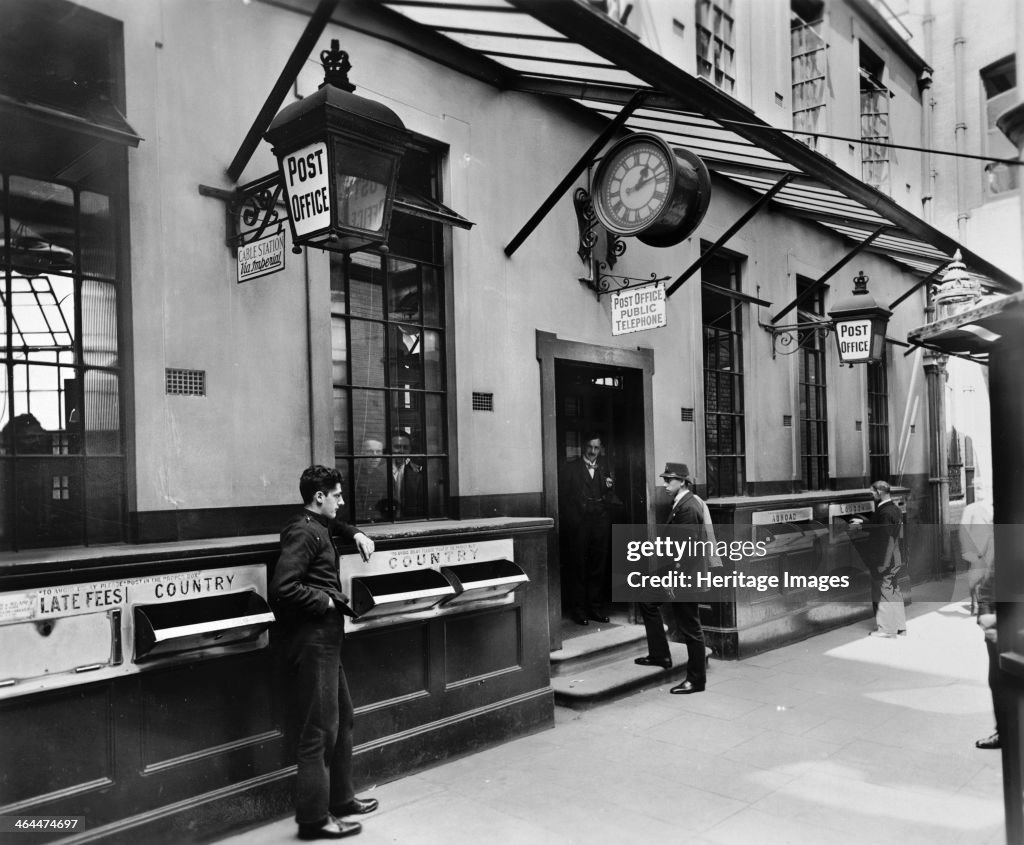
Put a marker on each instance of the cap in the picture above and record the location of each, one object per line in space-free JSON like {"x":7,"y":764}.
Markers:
{"x":680,"y":471}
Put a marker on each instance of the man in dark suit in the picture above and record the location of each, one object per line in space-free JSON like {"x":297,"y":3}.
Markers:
{"x":885,"y":562}
{"x":687,"y":510}
{"x":407,"y":476}
{"x":584,"y":498}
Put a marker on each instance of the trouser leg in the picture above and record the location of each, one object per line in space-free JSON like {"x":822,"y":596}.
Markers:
{"x":688,"y":624}
{"x":657,"y":642}
{"x":315,"y":663}
{"x":342,"y":790}
{"x":597,"y":581}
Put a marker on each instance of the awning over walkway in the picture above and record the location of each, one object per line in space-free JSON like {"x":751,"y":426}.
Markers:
{"x":569,"y":50}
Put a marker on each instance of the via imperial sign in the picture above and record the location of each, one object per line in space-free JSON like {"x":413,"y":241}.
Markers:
{"x":639,"y":309}
{"x":854,"y":338}
{"x":261,"y":258}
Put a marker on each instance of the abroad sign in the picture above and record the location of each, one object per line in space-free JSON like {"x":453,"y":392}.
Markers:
{"x":639,"y":309}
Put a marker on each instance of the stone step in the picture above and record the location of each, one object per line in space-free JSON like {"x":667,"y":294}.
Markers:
{"x":616,"y":677}
{"x":600,"y":644}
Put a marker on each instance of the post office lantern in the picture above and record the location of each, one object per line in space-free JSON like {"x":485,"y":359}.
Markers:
{"x":338,"y":156}
{"x":860,"y":324}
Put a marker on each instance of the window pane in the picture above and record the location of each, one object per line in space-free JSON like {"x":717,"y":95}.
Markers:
{"x":340,"y":418}
{"x":435,"y":424}
{"x":368,"y":421}
{"x":43,"y":318}
{"x":407,"y":418}
{"x":405,"y":355}
{"x":97,"y":236}
{"x":413,"y":237}
{"x":339,"y":349}
{"x":102,"y":413}
{"x":42,"y":227}
{"x":432,"y":314}
{"x":433,"y":360}
{"x":408,"y":485}
{"x":437,"y":486}
{"x":99,"y":323}
{"x":104,"y":503}
{"x":43,"y":403}
{"x":48,"y":493}
{"x":367,"y":353}
{"x":403,"y":290}
{"x":366,"y":285}
{"x":372,"y":501}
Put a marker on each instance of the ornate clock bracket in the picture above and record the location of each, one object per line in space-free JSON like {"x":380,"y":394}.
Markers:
{"x":598,"y":279}
{"x":253,"y":211}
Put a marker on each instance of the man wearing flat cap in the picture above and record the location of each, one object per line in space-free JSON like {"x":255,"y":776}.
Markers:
{"x":687,"y":510}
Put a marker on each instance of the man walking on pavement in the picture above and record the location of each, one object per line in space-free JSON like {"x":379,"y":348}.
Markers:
{"x":885,"y":563}
{"x":305,"y":593}
{"x":687,"y":510}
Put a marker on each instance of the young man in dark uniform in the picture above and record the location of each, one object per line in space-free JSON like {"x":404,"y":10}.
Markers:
{"x":885,"y":562}
{"x":305,"y":593}
{"x":687,"y":510}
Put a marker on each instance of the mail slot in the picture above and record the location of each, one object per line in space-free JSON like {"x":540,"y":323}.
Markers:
{"x":485,"y":579}
{"x":374,"y":596}
{"x":181,"y":626}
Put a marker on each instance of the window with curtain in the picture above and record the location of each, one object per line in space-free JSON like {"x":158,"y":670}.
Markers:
{"x":62,"y":195}
{"x":389,"y":376}
{"x":999,"y":81}
{"x":724,"y":409}
{"x":716,"y":43}
{"x":809,"y":68}
{"x":878,"y":419}
{"x":812,"y":385}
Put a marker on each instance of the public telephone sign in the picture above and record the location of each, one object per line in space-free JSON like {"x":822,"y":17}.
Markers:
{"x":854,"y":337}
{"x":638,"y":309}
{"x":308,"y":186}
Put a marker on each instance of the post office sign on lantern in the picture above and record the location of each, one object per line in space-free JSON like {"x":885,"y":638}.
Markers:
{"x":860,"y":325}
{"x":338,"y":156}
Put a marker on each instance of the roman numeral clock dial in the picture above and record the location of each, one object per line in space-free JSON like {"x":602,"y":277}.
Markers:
{"x":644,"y":188}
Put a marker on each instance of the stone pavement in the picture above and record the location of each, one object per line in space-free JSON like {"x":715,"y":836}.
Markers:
{"x":842,"y":738}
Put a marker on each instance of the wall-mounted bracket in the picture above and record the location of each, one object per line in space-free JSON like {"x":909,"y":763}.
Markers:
{"x":795,"y":335}
{"x":252,"y":211}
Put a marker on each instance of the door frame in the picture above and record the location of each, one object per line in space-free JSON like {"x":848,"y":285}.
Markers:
{"x":551,"y":348}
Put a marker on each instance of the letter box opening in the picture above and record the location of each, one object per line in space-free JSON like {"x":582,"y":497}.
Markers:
{"x":374,"y":596}
{"x":180,"y":626}
{"x":485,"y":579}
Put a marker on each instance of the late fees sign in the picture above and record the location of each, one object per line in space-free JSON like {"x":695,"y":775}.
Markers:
{"x":308,"y":185}
{"x":854,"y":338}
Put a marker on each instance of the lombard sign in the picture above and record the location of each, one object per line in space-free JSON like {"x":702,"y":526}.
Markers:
{"x":308,"y":184}
{"x":639,"y":309}
{"x":854,"y":337}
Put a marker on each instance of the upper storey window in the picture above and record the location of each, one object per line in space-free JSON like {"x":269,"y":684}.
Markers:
{"x":1000,"y":83}
{"x":809,"y":69}
{"x":874,"y":121}
{"x":716,"y":43}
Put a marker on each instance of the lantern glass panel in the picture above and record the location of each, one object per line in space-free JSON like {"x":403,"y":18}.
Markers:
{"x":361,"y":181}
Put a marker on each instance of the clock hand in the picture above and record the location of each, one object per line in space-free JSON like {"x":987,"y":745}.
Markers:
{"x":643,"y":180}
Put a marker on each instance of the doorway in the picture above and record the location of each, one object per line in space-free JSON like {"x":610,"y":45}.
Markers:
{"x":587,"y":388}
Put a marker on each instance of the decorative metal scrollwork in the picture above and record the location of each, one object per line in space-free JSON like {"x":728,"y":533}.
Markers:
{"x":255,"y":211}
{"x":796,"y":335}
{"x":586,"y":221}
{"x":612,"y":283}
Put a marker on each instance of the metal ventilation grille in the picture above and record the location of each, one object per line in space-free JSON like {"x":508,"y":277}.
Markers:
{"x":686,"y":414}
{"x":787,"y":420}
{"x":483,"y":401}
{"x":185,"y":382}
{"x":859,"y":425}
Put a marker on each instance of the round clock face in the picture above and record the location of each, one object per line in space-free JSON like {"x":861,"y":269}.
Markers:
{"x":633,"y":185}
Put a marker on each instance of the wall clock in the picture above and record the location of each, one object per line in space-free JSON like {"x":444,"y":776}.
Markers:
{"x":646,"y":189}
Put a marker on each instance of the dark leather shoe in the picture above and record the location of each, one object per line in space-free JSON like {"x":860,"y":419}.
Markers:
{"x":358,"y":806}
{"x":579,"y":618}
{"x":664,"y":663}
{"x":334,"y":829}
{"x":597,"y":617}
{"x":989,"y":742}
{"x":686,"y":687}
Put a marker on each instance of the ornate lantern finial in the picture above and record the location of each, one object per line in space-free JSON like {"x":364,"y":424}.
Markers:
{"x":336,"y":67}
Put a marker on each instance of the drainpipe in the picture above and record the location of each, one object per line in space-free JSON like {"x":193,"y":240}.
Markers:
{"x":927,"y":118}
{"x":960,"y":132}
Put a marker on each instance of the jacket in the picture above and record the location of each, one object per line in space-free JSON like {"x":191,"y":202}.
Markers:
{"x":583,"y":496}
{"x":306,"y":574}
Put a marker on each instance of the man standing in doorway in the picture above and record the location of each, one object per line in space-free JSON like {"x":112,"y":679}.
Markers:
{"x":305,"y":593}
{"x":586,"y":492}
{"x":687,"y":510}
{"x":885,"y":563}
